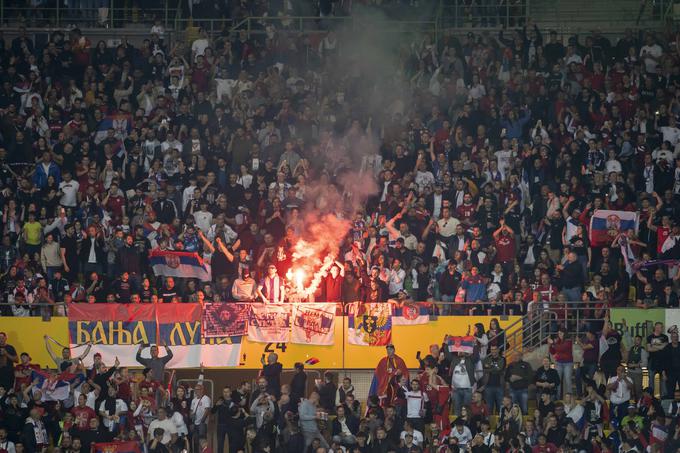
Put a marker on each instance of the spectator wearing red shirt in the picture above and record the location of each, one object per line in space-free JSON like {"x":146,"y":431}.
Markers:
{"x":505,"y":245}
{"x":114,"y":202}
{"x":561,"y":350}
{"x":23,"y":371}
{"x":82,"y":413}
{"x":467,"y":212}
{"x":543,"y":446}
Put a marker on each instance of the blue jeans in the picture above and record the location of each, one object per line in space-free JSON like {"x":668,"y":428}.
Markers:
{"x":521,"y":397}
{"x":494,"y":397}
{"x":586,"y":370}
{"x":572,"y":294}
{"x":565,"y":371}
{"x":461,"y":397}
{"x":619,"y":411}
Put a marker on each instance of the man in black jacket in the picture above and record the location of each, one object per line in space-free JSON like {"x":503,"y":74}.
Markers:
{"x":571,"y":277}
{"x":298,"y":385}
{"x":519,"y":375}
{"x":165,"y":209}
{"x":223,"y":410}
{"x":34,"y":433}
{"x":345,"y":427}
{"x":92,"y":254}
{"x":272,"y":371}
{"x":381,"y":444}
{"x":129,"y":260}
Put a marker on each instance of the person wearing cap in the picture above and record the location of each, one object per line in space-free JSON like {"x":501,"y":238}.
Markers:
{"x":388,"y":371}
{"x":23,"y":371}
{"x":244,"y":287}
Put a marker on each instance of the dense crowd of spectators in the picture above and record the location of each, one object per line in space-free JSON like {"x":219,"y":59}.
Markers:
{"x":485,"y":401}
{"x":489,"y":153}
{"x":487,"y":177}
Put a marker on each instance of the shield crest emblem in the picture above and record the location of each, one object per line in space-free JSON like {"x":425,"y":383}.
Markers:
{"x":369,"y":323}
{"x":172,"y":261}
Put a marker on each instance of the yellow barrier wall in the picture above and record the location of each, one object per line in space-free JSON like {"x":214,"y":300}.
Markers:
{"x":26,"y":335}
{"x":408,"y":340}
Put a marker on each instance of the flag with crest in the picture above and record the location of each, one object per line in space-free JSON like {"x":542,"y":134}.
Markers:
{"x":370,"y":324}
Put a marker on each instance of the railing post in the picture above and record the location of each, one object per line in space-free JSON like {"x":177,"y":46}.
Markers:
{"x":165,"y":24}
{"x":507,"y":14}
{"x":111,"y":12}
{"x":2,"y":12}
{"x":57,"y":18}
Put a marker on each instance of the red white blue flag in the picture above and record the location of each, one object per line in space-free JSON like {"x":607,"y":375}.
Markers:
{"x":411,"y":313}
{"x":605,"y":225}
{"x":369,"y":324}
{"x":179,"y":264}
{"x":117,"y":330}
{"x":461,"y":344}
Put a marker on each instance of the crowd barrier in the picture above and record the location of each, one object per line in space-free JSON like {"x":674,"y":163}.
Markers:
{"x":119,"y":329}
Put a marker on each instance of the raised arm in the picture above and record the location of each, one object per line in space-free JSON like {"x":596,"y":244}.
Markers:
{"x":206,"y":242}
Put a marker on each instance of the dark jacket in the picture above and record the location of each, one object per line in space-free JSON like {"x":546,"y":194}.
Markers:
{"x":327,"y":397}
{"x":522,"y":369}
{"x":129,"y":260}
{"x":98,"y":250}
{"x":166,"y":211}
{"x":298,"y":388}
{"x":352,"y":424}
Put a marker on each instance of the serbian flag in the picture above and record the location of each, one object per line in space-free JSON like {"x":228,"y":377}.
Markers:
{"x":461,"y":344}
{"x":180,"y":327}
{"x":121,"y":123}
{"x":169,"y":263}
{"x":54,"y":387}
{"x":605,"y":225}
{"x":117,"y":330}
{"x":369,"y":324}
{"x":411,"y":313}
{"x":116,"y":447}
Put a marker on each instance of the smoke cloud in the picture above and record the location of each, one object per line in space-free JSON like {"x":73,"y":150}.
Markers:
{"x":365,"y":85}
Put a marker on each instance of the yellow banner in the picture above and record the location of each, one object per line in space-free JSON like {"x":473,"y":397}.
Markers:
{"x":26,"y":335}
{"x":407,"y":340}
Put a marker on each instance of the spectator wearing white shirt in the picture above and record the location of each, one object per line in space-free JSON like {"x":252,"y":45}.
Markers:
{"x":112,"y":409}
{"x":203,"y":218}
{"x":198,"y":46}
{"x":446,"y":226}
{"x":650,"y":54}
{"x":5,"y":444}
{"x":199,"y":410}
{"x":167,"y":425}
{"x":416,"y":400}
{"x":671,"y":134}
{"x":620,"y":387}
{"x":68,"y":189}
{"x":462,"y":433}
{"x":396,"y":278}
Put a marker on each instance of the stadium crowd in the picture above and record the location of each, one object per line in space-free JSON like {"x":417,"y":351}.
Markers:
{"x":489,"y":154}
{"x":455,"y":402}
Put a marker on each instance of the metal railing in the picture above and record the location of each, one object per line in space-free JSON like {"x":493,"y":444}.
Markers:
{"x":463,"y":14}
{"x":104,"y":17}
{"x":300,"y":24}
